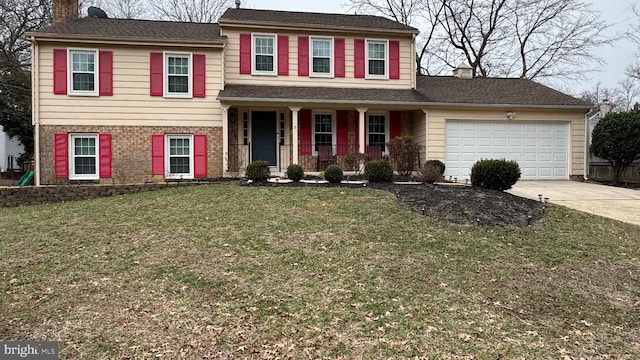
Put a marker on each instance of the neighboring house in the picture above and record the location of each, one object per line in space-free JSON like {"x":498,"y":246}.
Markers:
{"x":10,"y":150}
{"x":158,"y":100}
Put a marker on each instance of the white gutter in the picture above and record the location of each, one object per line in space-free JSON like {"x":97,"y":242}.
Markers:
{"x":586,"y":146}
{"x":35,"y":109}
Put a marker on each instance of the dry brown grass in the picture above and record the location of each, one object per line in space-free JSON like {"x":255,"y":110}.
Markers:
{"x":233,"y":272}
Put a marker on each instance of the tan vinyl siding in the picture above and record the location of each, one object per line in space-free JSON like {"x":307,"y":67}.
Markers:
{"x":436,"y":123}
{"x":131,"y":103}
{"x":233,"y":76}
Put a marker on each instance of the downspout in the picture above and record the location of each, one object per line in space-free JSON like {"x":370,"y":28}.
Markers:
{"x":586,"y":146}
{"x":414,"y":58}
{"x":35,"y":108}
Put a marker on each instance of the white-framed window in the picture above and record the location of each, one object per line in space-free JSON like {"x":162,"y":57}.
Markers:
{"x":264,"y":61}
{"x":378,"y":131}
{"x":321,"y":63}
{"x":83,"y":72}
{"x":179,"y":156}
{"x":377,"y":61}
{"x":178,"y":71}
{"x":83,"y":157}
{"x":323,"y":130}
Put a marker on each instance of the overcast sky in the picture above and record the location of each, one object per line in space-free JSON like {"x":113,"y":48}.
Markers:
{"x":616,"y":12}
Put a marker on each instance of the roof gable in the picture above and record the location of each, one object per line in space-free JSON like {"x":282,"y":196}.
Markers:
{"x":292,"y":18}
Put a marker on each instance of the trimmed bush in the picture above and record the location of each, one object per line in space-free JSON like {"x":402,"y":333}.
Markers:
{"x":333,"y":174}
{"x":295,"y":172}
{"x":378,"y":171}
{"x":403,"y":152}
{"x":430,"y":173}
{"x":437,"y":164}
{"x":495,"y":174}
{"x":258,"y":171}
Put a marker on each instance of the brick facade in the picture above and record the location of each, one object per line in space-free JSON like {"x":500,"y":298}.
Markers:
{"x":131,"y":151}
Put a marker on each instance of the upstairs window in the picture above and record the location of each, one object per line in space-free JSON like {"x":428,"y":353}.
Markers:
{"x":83,"y":77}
{"x":321,"y":54}
{"x":178,"y":74}
{"x":376,"y":59}
{"x":264,"y":59}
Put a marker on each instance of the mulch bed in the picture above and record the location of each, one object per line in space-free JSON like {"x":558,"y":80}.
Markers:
{"x":464,"y":205}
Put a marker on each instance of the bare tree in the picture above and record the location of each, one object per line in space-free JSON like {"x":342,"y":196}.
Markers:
{"x":120,"y":9}
{"x":200,"y":11}
{"x":634,"y":35}
{"x":519,"y":38}
{"x":18,"y":17}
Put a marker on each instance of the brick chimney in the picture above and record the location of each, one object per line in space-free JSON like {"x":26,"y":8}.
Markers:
{"x":64,"y":10}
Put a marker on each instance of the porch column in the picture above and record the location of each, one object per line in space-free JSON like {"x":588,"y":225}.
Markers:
{"x":426,"y":134}
{"x":225,"y":139}
{"x":361,"y":137}
{"x":295,"y":111}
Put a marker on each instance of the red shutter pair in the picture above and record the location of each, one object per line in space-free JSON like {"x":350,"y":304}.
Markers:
{"x":61,"y":155}
{"x":359,"y":59}
{"x":199,"y":155}
{"x":303,"y":57}
{"x":105,"y":72}
{"x":156,"y":74}
{"x":245,"y":54}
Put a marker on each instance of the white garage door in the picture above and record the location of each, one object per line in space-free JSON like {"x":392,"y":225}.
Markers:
{"x":541,"y":149}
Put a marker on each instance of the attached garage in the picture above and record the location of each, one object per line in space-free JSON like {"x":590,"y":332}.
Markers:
{"x":540,"y":148}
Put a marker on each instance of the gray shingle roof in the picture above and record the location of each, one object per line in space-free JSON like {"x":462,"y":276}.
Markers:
{"x":99,"y":28}
{"x":431,"y":90}
{"x":256,"y":17}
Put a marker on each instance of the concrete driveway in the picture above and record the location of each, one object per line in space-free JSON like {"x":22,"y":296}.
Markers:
{"x":608,"y":201}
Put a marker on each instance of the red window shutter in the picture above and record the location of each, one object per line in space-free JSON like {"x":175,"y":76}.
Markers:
{"x":342,"y":132}
{"x":60,"y":71}
{"x":359,"y":59}
{"x":395,"y":124}
{"x":394,"y":60}
{"x":104,"y":141}
{"x":339,"y":66}
{"x":199,"y":75}
{"x":245,"y":53}
{"x":61,"y":155}
{"x":156,"y":79}
{"x":105,"y":63}
{"x":283,"y":55}
{"x":199,"y":156}
{"x":305,"y":132}
{"x":157,"y":154}
{"x":303,"y":56}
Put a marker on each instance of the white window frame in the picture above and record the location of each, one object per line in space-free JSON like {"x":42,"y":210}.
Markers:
{"x":254,"y":53}
{"x":368,"y":75}
{"x":333,"y":130}
{"x":165,"y":74}
{"x":96,"y":72}
{"x":386,"y":129}
{"x":72,"y":156}
{"x":167,"y":157}
{"x":312,"y":73}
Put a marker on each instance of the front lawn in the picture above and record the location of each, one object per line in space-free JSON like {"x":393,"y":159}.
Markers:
{"x":223,"y":271}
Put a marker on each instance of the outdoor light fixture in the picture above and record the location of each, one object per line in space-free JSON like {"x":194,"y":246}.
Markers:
{"x":455,"y":179}
{"x":529,"y":220}
{"x":423,"y":208}
{"x":510,"y":115}
{"x":450,"y":177}
{"x":398,"y":194}
{"x":466,"y":181}
{"x":478,"y":221}
{"x":540,"y":197}
{"x":546,"y":200}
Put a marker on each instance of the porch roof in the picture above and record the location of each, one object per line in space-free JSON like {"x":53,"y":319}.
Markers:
{"x":320,"y":95}
{"x":431,"y":91}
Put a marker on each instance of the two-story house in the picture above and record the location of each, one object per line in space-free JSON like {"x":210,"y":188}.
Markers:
{"x":137,"y":100}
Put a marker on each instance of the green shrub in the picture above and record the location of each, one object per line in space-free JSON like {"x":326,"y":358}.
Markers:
{"x":436,"y":163}
{"x":333,"y":174}
{"x":258,"y":171}
{"x":616,"y":138}
{"x":495,"y":174}
{"x":295,"y":172}
{"x":430,"y":173}
{"x":378,"y":171}
{"x":403,"y":152}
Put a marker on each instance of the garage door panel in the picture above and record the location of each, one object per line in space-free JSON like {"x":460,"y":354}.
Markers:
{"x":540,"y":148}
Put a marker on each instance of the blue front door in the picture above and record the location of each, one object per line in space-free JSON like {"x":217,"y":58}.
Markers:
{"x":264,"y":136}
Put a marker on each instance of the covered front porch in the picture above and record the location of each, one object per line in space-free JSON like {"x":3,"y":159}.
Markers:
{"x":314,"y":137}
